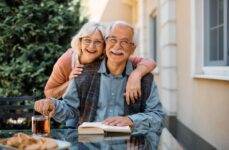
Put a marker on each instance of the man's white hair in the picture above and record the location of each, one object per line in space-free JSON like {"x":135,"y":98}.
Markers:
{"x":87,"y":29}
{"x":121,"y":23}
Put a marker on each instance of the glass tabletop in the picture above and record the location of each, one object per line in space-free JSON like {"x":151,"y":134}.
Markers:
{"x":139,"y":139}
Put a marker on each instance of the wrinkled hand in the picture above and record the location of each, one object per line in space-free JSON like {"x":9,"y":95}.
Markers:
{"x":118,"y":121}
{"x":76,"y":71}
{"x":45,"y":107}
{"x":133,"y":87}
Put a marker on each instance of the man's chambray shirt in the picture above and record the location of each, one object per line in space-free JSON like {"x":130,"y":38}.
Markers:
{"x":111,"y":101}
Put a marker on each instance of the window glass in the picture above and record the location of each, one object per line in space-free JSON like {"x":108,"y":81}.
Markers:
{"x":153,"y":37}
{"x":215,"y":29}
{"x":213,"y":44}
{"x":221,"y":43}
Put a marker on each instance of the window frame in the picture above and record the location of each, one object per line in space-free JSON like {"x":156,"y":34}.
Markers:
{"x":199,"y":70}
{"x":153,"y":46}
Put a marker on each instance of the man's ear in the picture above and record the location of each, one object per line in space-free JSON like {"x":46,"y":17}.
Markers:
{"x":133,"y":49}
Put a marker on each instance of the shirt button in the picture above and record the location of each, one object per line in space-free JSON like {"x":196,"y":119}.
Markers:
{"x":113,"y":94}
{"x":110,"y":111}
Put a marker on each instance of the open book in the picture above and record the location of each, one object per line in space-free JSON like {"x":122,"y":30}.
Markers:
{"x":100,"y":128}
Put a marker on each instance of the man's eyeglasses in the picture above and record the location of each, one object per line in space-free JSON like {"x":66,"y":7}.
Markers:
{"x":87,"y":41}
{"x":123,"y":42}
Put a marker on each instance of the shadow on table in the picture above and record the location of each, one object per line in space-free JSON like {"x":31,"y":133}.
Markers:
{"x":138,"y":140}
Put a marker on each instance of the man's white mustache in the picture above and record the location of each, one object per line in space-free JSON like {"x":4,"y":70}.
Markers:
{"x":119,"y":51}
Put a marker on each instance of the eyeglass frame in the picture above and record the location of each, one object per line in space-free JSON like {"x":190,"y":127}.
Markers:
{"x":87,"y":41}
{"x":120,"y":41}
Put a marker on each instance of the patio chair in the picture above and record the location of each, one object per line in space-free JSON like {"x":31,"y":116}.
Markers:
{"x":16,"y":112}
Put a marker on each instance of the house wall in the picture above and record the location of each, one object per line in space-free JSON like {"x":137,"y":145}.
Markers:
{"x":107,"y":11}
{"x":167,"y":55}
{"x":94,"y":9}
{"x":202,"y":104}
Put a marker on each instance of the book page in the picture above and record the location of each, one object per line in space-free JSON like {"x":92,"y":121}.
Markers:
{"x":90,"y":128}
{"x":92,"y":124}
{"x":109,"y":128}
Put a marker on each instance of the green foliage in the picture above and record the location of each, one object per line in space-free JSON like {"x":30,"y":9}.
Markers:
{"x":33,"y":35}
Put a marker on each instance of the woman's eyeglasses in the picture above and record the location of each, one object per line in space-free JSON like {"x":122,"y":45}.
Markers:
{"x":87,"y":42}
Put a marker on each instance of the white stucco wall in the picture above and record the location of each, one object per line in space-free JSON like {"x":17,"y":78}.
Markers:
{"x":202,"y":103}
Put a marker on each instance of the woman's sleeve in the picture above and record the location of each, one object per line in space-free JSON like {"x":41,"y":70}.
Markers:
{"x":148,"y":62}
{"x":57,"y":82}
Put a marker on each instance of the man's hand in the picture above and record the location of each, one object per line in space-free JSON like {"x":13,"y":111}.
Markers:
{"x":45,"y":107}
{"x":133,"y":87}
{"x":76,"y":71}
{"x":118,"y":121}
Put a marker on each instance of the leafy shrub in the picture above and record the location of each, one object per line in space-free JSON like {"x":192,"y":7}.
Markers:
{"x":33,"y":35}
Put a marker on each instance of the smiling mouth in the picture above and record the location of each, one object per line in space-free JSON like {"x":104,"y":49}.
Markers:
{"x":117,"y":52}
{"x":91,"y":52}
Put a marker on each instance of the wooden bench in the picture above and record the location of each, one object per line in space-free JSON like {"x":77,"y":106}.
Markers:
{"x":13,"y":110}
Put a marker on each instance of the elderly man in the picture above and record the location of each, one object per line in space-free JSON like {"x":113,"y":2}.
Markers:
{"x":97,"y":95}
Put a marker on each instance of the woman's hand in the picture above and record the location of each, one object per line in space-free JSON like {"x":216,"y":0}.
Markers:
{"x":76,"y":71}
{"x":45,"y":107}
{"x":133,"y":87}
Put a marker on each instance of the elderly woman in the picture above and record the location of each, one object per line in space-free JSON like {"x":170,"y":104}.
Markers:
{"x":87,"y":46}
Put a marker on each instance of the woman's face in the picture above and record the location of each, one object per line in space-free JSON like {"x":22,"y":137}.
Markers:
{"x":92,"y":47}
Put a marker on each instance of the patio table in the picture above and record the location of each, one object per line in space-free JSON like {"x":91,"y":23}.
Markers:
{"x":147,"y":139}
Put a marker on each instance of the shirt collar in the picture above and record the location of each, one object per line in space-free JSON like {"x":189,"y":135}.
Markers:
{"x":127,"y":71}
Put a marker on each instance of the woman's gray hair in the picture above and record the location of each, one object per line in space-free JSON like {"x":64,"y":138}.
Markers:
{"x":87,"y":29}
{"x":121,"y":23}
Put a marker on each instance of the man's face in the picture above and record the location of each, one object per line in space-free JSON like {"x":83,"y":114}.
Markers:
{"x":119,"y":44}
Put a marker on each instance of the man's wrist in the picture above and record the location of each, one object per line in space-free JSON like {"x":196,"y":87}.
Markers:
{"x":50,"y":101}
{"x":132,"y":122}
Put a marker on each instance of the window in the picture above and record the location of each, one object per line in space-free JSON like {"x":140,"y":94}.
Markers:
{"x":216,"y":52}
{"x":153,"y":37}
{"x":210,"y":39}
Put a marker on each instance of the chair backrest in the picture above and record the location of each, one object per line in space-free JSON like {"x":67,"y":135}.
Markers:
{"x":15,"y":108}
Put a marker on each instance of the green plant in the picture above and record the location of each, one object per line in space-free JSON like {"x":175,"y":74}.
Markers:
{"x":33,"y":35}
